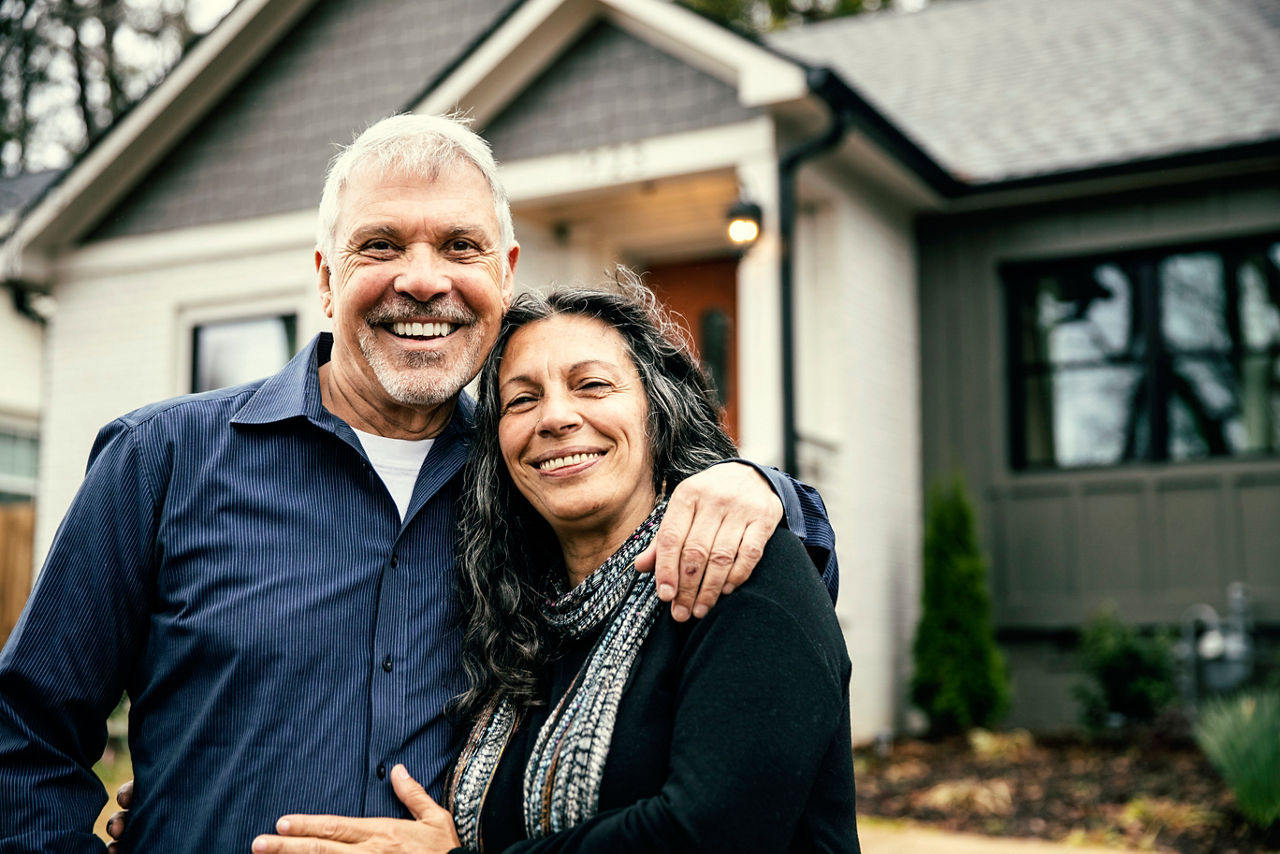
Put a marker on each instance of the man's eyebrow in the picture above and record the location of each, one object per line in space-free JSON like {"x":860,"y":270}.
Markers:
{"x":379,"y":229}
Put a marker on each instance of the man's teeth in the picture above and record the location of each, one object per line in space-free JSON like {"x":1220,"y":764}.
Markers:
{"x":561,"y":462}
{"x":422,"y":330}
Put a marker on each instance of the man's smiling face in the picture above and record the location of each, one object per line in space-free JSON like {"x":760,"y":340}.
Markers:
{"x":417,"y":287}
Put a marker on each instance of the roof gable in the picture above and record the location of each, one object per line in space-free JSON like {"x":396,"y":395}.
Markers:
{"x":608,"y":88}
{"x":264,"y":149}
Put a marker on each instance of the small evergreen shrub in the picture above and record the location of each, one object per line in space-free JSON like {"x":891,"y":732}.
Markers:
{"x":1241,"y":737}
{"x":960,"y":680}
{"x":1129,"y":675}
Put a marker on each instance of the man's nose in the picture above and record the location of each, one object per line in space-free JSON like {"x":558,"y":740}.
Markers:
{"x":422,"y":274}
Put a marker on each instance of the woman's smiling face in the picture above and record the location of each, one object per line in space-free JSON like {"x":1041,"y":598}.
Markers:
{"x":573,"y":427}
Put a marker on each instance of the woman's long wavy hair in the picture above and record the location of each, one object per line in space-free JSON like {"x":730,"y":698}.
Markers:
{"x":507,"y":552}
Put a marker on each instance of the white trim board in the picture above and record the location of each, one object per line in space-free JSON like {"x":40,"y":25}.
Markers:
{"x":539,"y":31}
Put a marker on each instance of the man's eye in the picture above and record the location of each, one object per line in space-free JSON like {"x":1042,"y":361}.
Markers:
{"x":379,"y":246}
{"x":461,"y":245}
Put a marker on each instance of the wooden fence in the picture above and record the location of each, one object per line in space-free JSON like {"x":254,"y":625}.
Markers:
{"x":17,"y":532}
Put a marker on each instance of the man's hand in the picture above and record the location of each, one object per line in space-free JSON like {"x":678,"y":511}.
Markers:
{"x":431,"y":831}
{"x":120,"y":818}
{"x":712,"y":537}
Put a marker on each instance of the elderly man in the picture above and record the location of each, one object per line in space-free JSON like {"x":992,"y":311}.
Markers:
{"x":267,"y":570}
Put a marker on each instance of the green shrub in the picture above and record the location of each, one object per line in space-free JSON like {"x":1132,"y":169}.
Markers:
{"x":959,"y":679}
{"x":1130,"y":676}
{"x":1241,"y":737}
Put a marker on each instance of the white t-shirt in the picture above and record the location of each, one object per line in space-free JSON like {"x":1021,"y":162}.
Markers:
{"x":397,"y":462}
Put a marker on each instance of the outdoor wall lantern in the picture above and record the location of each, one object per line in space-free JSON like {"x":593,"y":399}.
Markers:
{"x":744,"y":223}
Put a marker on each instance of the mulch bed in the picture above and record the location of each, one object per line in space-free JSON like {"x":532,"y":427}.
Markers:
{"x":1151,"y":794}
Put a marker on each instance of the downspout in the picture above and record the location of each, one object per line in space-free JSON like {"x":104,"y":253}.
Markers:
{"x":820,"y":81}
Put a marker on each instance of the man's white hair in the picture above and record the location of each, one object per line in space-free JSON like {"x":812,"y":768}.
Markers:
{"x":411,"y":146}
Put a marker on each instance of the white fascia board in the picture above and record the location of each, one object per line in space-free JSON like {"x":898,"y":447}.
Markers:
{"x":762,"y":78}
{"x":199,"y":245}
{"x":509,"y":58}
{"x":556,"y":176}
{"x":148,"y":131}
{"x":540,"y":30}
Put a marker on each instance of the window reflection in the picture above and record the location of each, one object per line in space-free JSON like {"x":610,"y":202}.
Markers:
{"x":1147,"y":356}
{"x":237,"y":351}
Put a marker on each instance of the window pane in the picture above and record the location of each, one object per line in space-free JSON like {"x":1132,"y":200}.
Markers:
{"x":1082,"y":314}
{"x":241,"y":350}
{"x":1219,"y":409}
{"x":1193,"y":302}
{"x":18,"y":455}
{"x":1085,"y":417}
{"x":1259,"y":278}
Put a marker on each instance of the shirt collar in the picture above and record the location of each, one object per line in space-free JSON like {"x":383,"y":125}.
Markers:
{"x":294,"y":392}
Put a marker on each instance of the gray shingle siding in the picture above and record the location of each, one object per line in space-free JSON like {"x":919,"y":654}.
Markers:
{"x":610,"y":88}
{"x":264,"y":149}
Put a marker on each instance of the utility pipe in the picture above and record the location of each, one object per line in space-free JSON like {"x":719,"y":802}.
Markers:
{"x":821,"y":81}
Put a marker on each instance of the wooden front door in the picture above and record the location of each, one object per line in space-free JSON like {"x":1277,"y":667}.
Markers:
{"x":704,"y":297}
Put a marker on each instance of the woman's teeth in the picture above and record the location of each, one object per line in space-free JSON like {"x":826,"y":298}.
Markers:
{"x":561,"y":462}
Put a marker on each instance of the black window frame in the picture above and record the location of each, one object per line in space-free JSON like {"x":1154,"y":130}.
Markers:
{"x":1155,"y":360}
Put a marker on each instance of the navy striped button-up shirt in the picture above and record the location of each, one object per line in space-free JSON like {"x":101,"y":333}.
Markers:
{"x":233,"y":563}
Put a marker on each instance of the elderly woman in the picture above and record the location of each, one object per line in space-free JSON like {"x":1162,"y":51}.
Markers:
{"x":601,"y":724}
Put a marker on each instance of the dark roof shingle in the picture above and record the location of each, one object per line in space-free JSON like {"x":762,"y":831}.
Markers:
{"x":1001,"y":89}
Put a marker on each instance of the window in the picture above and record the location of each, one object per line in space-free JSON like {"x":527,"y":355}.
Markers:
{"x":18,"y":452}
{"x":1146,"y":356}
{"x":234,"y":351}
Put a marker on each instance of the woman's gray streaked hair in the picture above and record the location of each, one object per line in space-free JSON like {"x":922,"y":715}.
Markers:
{"x":506,"y":551}
{"x":415,"y":146}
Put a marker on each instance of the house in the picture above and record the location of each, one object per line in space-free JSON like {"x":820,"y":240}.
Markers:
{"x":1031,"y":241}
{"x":21,"y":347}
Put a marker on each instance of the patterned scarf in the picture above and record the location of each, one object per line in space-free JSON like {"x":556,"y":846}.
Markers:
{"x":562,"y":777}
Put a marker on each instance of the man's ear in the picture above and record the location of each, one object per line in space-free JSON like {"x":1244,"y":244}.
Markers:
{"x":509,"y":281}
{"x":324,"y":284}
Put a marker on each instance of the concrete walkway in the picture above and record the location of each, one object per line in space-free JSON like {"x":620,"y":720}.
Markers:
{"x":883,"y":838}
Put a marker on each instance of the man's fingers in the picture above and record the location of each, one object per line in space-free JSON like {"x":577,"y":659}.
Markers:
{"x":124,"y":794}
{"x":412,"y":795}
{"x":750,"y":550}
{"x":116,"y":824}
{"x":667,"y":544}
{"x":699,"y":555}
{"x":720,"y":565}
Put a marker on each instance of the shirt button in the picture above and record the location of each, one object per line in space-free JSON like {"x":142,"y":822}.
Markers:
{"x":386,"y":664}
{"x":382,"y":771}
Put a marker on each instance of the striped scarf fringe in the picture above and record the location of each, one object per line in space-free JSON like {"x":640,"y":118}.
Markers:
{"x":562,"y":777}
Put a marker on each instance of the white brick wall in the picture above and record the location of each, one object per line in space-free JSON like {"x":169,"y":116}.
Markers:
{"x":858,"y":365}
{"x":21,"y":342}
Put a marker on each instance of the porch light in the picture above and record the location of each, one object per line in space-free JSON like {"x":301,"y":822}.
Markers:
{"x":744,"y":222}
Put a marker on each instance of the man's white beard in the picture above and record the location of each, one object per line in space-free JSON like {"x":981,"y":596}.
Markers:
{"x":420,"y":379}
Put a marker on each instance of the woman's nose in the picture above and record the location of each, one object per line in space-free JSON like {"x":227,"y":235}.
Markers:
{"x":558,"y":414}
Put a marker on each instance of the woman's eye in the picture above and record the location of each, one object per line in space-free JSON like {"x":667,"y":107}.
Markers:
{"x":595,"y":385}
{"x":517,"y":402}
